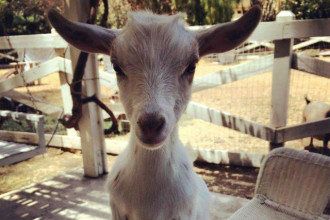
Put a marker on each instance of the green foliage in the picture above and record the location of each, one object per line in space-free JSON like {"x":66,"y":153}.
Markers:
{"x":117,"y":13}
{"x":24,"y":126}
{"x":218,"y":11}
{"x":18,"y":17}
{"x":198,"y":12}
{"x":308,"y":9}
{"x":25,"y":16}
{"x":194,"y":9}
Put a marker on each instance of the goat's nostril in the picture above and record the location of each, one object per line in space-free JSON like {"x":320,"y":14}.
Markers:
{"x":151,"y":123}
{"x":160,"y":124}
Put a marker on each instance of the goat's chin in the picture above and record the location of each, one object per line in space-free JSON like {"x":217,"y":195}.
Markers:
{"x":151,"y":145}
{"x":154,"y":145}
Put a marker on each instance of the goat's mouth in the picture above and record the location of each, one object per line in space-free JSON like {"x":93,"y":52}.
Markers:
{"x":152,"y":143}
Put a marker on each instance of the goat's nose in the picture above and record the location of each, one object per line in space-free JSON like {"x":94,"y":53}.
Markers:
{"x":151,"y":125}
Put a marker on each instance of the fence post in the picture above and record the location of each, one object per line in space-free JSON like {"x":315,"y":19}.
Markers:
{"x":281,"y":79}
{"x":91,"y":122}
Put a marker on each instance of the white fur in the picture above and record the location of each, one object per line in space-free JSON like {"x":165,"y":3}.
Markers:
{"x":155,"y":182}
{"x":316,"y":111}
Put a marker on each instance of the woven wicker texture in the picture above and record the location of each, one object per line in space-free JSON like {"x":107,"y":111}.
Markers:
{"x":291,"y":185}
{"x":256,"y":209}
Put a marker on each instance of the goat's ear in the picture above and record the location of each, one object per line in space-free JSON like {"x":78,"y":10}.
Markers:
{"x":227,"y":36}
{"x":86,"y":37}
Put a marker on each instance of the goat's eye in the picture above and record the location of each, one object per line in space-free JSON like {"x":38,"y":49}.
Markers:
{"x":189,"y":72}
{"x":190,"y":69}
{"x":118,"y":70}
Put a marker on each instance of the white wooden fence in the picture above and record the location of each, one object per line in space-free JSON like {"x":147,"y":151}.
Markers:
{"x":280,"y":32}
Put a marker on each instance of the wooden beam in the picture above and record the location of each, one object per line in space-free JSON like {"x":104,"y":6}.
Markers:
{"x":305,"y":44}
{"x":116,"y":147}
{"x":22,"y":154}
{"x":243,"y":159}
{"x":306,"y":28}
{"x":231,"y":74}
{"x":21,"y":116}
{"x":33,"y":102}
{"x":270,"y":31}
{"x":39,"y":125}
{"x":291,"y":29}
{"x":228,"y":120}
{"x":265,"y":31}
{"x":281,"y":78}
{"x":308,"y":129}
{"x":253,"y":45}
{"x":8,"y":55}
{"x":64,"y":65}
{"x":31,"y":75}
{"x":91,"y":122}
{"x":281,"y":82}
{"x":61,"y":141}
{"x":33,"y":41}
{"x":310,"y":65}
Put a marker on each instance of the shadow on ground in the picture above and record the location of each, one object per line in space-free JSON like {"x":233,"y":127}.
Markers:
{"x":62,"y":197}
{"x":229,"y":180}
{"x":73,"y":196}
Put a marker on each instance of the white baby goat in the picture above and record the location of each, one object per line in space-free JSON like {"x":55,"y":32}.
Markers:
{"x":314,"y":111}
{"x":155,"y":58}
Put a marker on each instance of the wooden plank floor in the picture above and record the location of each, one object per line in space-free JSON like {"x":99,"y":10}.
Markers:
{"x":11,"y":152}
{"x":72,"y":196}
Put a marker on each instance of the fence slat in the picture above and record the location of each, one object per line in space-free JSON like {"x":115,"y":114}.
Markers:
{"x":228,"y":120}
{"x":21,"y":116}
{"x":33,"y":41}
{"x":32,"y":102}
{"x":231,"y":74}
{"x":265,"y":31}
{"x":291,"y":29}
{"x":112,"y":146}
{"x":31,"y":75}
{"x":281,"y":78}
{"x":116,"y":147}
{"x":311,"y":65}
{"x":308,"y":129}
{"x":268,"y":31}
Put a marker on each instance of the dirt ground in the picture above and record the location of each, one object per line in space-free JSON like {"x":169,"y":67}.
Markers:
{"x":236,"y":181}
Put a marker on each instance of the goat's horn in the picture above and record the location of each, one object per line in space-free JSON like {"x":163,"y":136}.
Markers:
{"x":86,"y":37}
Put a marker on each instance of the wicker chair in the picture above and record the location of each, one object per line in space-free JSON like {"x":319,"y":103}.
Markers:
{"x":291,"y":185}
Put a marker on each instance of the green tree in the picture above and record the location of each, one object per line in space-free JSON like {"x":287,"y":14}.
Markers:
{"x":308,"y":9}
{"x":199,"y":12}
{"x":25,"y":16}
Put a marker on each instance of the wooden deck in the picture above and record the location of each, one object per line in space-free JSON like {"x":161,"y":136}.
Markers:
{"x":11,"y":152}
{"x":73,"y":196}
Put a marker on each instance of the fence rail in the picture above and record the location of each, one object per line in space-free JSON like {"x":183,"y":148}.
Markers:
{"x":266,"y":31}
{"x":310,"y":65}
{"x":33,"y":41}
